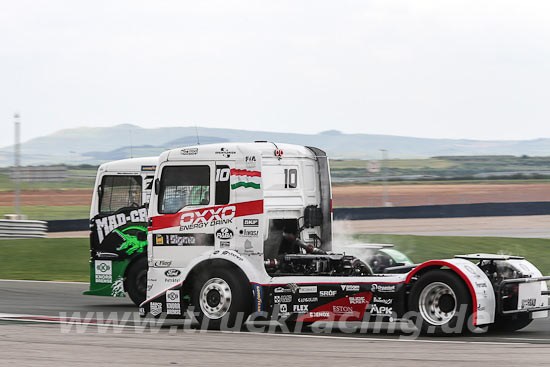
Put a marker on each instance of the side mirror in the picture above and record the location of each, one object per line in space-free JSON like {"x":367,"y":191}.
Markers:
{"x":157,"y":186}
{"x":313,"y":216}
{"x":100,"y":190}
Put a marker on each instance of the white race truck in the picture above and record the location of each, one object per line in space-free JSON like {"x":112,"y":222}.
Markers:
{"x":118,"y":230}
{"x":246,"y":228}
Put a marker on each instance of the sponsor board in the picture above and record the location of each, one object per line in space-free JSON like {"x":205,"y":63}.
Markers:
{"x":103,"y":271}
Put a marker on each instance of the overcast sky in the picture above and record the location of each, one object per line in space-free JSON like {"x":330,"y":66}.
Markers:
{"x":456,"y":69}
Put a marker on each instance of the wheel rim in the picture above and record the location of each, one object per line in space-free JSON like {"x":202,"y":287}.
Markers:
{"x":215,"y":298}
{"x":437,"y":303}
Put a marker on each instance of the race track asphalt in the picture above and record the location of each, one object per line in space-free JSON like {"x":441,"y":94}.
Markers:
{"x":31,"y":335}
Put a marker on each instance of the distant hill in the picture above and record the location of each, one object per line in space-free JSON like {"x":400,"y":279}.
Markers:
{"x":95,"y":145}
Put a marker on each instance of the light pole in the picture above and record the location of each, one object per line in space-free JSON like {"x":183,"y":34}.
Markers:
{"x":17,"y":163}
{"x":385,"y":200}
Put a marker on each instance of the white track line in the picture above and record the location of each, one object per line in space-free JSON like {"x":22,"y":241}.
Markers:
{"x":41,"y":281}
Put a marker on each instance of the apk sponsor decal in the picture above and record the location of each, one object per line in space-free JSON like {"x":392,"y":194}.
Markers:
{"x":381,"y":310}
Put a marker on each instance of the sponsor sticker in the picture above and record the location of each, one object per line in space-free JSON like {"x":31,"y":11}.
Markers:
{"x":350,"y":287}
{"x":224,"y":233}
{"x":189,"y":151}
{"x":103,"y":271}
{"x":107,"y":224}
{"x":357,"y":300}
{"x":285,"y":298}
{"x":225,"y":244}
{"x":383,"y":288}
{"x":162,"y":263}
{"x":159,"y":239}
{"x":258,"y":297}
{"x":173,"y":296}
{"x":342,"y":309}
{"x":283,"y":308}
{"x":281,"y":290}
{"x":300,"y":308}
{"x":308,"y":299}
{"x":384,"y":301}
{"x":329,"y":293}
{"x":173,"y":308}
{"x":319,"y":314}
{"x":171,"y":273}
{"x":308,"y":289}
{"x":249,"y":233}
{"x":156,"y":308}
{"x":251,"y":222}
{"x":381,"y":310}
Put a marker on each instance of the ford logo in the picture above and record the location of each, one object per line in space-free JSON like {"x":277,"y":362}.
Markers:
{"x":172,"y":273}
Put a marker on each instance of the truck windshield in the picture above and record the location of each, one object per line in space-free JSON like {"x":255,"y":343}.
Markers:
{"x":119,"y":192}
{"x":181,"y":186}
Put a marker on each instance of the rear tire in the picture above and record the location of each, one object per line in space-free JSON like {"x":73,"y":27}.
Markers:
{"x":439,"y":299}
{"x":221,"y":297}
{"x":510,"y":323}
{"x":136,"y":281}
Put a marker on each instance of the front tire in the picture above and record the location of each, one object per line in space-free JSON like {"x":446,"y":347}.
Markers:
{"x":441,"y":303}
{"x":222,"y":297}
{"x":136,"y":280}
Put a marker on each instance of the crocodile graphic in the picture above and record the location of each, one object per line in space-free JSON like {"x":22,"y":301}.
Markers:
{"x":131,"y":244}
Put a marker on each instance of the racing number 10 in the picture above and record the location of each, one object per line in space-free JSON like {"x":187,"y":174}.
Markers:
{"x":291,"y":178}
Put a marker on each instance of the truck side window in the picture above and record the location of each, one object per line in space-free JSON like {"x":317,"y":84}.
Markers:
{"x":223,"y":187}
{"x":181,"y":186}
{"x":119,"y":192}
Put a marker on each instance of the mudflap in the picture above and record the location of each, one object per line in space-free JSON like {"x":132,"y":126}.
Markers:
{"x":107,"y":278}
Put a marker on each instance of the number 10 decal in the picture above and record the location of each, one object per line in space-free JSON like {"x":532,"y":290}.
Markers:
{"x":291,"y":178}
{"x":222,"y":174}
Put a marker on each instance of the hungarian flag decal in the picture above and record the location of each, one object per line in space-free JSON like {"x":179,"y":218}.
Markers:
{"x":245,"y":178}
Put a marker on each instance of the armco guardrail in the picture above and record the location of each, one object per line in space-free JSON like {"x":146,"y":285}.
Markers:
{"x":22,"y":228}
{"x":397,"y":212}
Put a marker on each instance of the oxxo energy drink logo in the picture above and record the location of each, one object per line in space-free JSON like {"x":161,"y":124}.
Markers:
{"x":207,"y":217}
{"x":108,"y":224}
{"x":103,"y":271}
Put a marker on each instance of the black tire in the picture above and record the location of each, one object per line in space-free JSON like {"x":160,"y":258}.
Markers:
{"x":460,"y":304}
{"x":136,"y":280}
{"x":510,"y":323}
{"x":239,"y":306}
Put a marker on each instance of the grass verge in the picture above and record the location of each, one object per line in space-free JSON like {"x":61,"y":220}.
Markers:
{"x":45,"y":212}
{"x":422,"y":248}
{"x":61,"y":259}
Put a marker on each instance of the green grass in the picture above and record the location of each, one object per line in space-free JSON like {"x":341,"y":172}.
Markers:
{"x":43,"y":212}
{"x":71,"y":183}
{"x":61,"y":259}
{"x":422,"y":248}
{"x":66,"y":259}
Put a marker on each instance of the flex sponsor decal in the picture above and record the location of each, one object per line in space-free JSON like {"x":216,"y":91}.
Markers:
{"x":201,"y":218}
{"x":103,"y":271}
{"x":106,"y":225}
{"x":285,"y":298}
{"x":242,"y":178}
{"x":300,"y":308}
{"x":383,"y":288}
{"x":307,"y":289}
{"x":224,"y":233}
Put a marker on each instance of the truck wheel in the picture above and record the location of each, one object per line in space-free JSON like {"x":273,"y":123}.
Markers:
{"x":438,"y":298}
{"x":136,"y":281}
{"x":221,"y":295}
{"x":510,"y":323}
